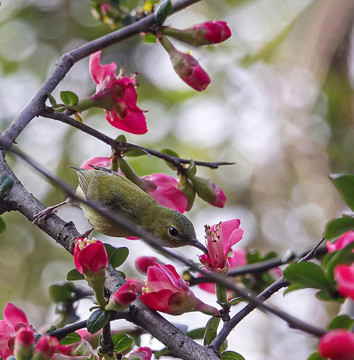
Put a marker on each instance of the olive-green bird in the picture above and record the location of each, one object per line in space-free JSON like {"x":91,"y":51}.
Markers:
{"x":114,"y":192}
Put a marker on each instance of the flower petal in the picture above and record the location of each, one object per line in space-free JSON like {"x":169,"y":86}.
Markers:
{"x":100,"y":72}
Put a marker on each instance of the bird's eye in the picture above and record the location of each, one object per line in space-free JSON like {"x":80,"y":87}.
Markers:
{"x":172,"y":231}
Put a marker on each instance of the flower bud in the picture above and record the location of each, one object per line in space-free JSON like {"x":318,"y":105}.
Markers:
{"x":24,"y":342}
{"x":121,"y":299}
{"x":209,"y":32}
{"x":45,"y":348}
{"x":142,"y":263}
{"x":337,"y":344}
{"x":142,"y":353}
{"x":186,"y":67}
{"x":344,"y":276}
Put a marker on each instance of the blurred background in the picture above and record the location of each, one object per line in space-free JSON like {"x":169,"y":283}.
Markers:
{"x":280,"y":106}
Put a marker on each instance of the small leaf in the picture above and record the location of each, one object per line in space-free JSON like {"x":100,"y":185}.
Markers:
{"x":121,"y":138}
{"x":170,"y":153}
{"x":253,"y":257}
{"x":70,"y":339}
{"x":162,"y":11}
{"x":97,"y":320}
{"x":325,"y":295}
{"x":121,"y":342}
{"x":51,"y":99}
{"x":2,"y":225}
{"x":78,"y":118}
{"x":341,"y":322}
{"x":339,"y":226}
{"x":231,"y":355}
{"x":211,"y":330}
{"x":61,"y":292}
{"x":5,"y":183}
{"x":149,"y":38}
{"x":345,"y":185}
{"x":306,"y":274}
{"x":196,"y":333}
{"x":69,"y":98}
{"x":132,"y":152}
{"x":116,"y":256}
{"x":73,"y":275}
{"x":315,"y":356}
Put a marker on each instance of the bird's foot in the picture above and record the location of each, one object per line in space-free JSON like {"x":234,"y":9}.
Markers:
{"x":40,"y":216}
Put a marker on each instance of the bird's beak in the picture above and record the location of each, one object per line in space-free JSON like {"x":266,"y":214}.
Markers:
{"x":200,"y":246}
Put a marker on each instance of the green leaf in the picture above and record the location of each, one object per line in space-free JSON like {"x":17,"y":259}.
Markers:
{"x":70,"y":339}
{"x":196,"y":333}
{"x":162,"y":11}
{"x":121,"y":342}
{"x":149,"y":38}
{"x":306,"y":274}
{"x":51,"y":99}
{"x":133,"y":152}
{"x":339,"y":226}
{"x":294,"y":287}
{"x":340,"y":322}
{"x":231,"y":355}
{"x":61,"y":292}
{"x":69,"y":98}
{"x":2,"y":225}
{"x":211,"y":330}
{"x":315,"y":356}
{"x":253,"y":257}
{"x":121,"y":138}
{"x":345,"y":185}
{"x":5,"y":183}
{"x":325,"y":295}
{"x":341,"y":256}
{"x":97,"y":320}
{"x":170,"y":153}
{"x":116,"y":256}
{"x":73,"y":275}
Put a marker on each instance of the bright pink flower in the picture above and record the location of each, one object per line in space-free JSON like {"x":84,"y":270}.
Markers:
{"x":214,"y":31}
{"x":142,"y":263}
{"x":337,"y":345}
{"x":121,"y":299}
{"x":186,"y":67}
{"x":142,"y":353}
{"x":166,"y":291}
{"x":342,"y":242}
{"x":220,"y":239}
{"x":117,"y":96}
{"x":14,"y":320}
{"x":138,"y":283}
{"x":165,"y":191}
{"x":90,"y":255}
{"x":344,"y":276}
{"x":45,"y":348}
{"x":102,"y":161}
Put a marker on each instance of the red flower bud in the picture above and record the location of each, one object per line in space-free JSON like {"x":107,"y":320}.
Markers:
{"x":344,"y":276}
{"x":121,"y":299}
{"x":45,"y":348}
{"x":24,"y":342}
{"x":337,"y":345}
{"x":142,"y":263}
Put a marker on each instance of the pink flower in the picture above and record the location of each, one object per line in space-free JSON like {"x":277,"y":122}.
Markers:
{"x":45,"y":348}
{"x":138,"y":283}
{"x":117,"y":96}
{"x":186,"y":67}
{"x":121,"y":299}
{"x":142,"y":353}
{"x":102,"y":161}
{"x":142,"y":263}
{"x":220,"y":239}
{"x":337,"y":344}
{"x":214,"y":31}
{"x":342,"y":242}
{"x":208,"y":191}
{"x":90,"y":255}
{"x":166,"y":291}
{"x":344,"y":276}
{"x":14,"y":320}
{"x":165,"y":191}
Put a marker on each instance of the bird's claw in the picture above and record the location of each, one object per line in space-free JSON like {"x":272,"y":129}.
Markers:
{"x":40,"y":216}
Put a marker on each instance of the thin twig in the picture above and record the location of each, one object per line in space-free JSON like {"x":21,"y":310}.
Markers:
{"x":118,"y":145}
{"x":152,"y":241}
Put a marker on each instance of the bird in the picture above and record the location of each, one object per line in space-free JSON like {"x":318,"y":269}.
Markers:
{"x":112,"y":191}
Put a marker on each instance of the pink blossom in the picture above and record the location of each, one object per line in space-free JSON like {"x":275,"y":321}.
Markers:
{"x":117,"y":96}
{"x":208,"y":191}
{"x":165,"y":191}
{"x":14,"y":320}
{"x":121,"y":299}
{"x":138,"y":283}
{"x":220,"y":239}
{"x":24,"y":343}
{"x":342,"y":242}
{"x":220,"y":196}
{"x":344,"y":276}
{"x":142,"y":353}
{"x":102,"y":161}
{"x":166,"y":291}
{"x":46,"y":347}
{"x":90,"y":255}
{"x":337,"y":344}
{"x":142,"y":263}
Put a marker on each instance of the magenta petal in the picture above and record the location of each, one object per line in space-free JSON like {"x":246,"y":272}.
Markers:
{"x":163,"y":277}
{"x":102,"y":161}
{"x":158,"y":301}
{"x":344,"y":276}
{"x":100,"y":72}
{"x":134,"y":122}
{"x":14,"y":315}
